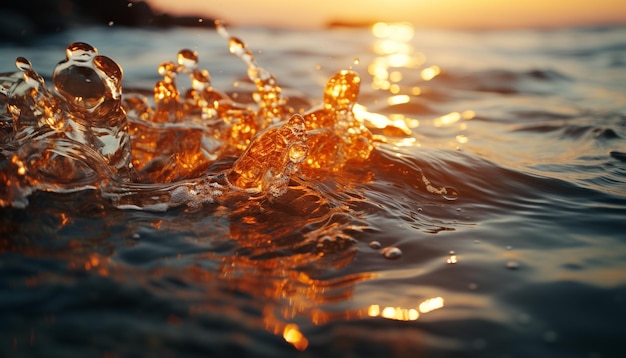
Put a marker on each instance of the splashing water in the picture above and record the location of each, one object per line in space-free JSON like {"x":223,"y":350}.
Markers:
{"x":200,"y":148}
{"x":476,"y":205}
{"x":84,"y":134}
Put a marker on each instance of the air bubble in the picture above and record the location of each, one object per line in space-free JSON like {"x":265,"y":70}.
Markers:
{"x":391,"y":252}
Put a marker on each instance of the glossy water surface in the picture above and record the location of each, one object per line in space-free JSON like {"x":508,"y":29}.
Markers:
{"x":488,"y":220}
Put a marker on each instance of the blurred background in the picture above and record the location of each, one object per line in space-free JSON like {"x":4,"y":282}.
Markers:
{"x":25,"y":19}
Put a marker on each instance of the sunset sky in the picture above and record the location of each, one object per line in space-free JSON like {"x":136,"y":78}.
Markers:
{"x":423,"y":13}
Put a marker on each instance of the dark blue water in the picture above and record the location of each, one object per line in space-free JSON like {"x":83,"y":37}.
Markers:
{"x":525,"y":256}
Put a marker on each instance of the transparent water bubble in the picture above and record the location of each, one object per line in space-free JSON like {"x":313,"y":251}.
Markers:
{"x":391,"y":252}
{"x":375,"y":245}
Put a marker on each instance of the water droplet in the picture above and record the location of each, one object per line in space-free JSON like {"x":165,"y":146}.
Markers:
{"x":391,"y":252}
{"x":80,"y":51}
{"x":477,"y":241}
{"x":472,"y":286}
{"x":509,"y":247}
{"x":111,"y":23}
{"x":235,"y":45}
{"x":512,"y":265}
{"x":375,"y":245}
{"x":200,"y":80}
{"x":356,"y":61}
{"x":188,"y":59}
{"x":167,"y":69}
{"x":23,"y":64}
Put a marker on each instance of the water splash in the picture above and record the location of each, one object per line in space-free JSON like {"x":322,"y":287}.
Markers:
{"x":272,"y":105}
{"x":200,"y":149}
{"x":84,"y":133}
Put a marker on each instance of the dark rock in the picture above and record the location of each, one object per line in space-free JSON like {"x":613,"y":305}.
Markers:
{"x":26,"y":19}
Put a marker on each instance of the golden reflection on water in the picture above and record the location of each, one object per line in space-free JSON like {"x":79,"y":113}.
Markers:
{"x":394,"y":51}
{"x":403,"y":313}
{"x":399,"y":75}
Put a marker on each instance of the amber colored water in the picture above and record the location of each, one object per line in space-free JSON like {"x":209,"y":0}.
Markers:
{"x":467,"y":200}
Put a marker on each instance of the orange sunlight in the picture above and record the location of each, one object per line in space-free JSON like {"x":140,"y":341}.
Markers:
{"x":422,"y":13}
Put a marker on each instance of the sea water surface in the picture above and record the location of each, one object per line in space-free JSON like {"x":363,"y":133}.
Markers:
{"x":523,"y":254}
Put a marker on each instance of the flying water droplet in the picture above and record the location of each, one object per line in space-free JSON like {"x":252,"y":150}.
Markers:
{"x":23,"y":64}
{"x":375,"y":245}
{"x":188,"y":59}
